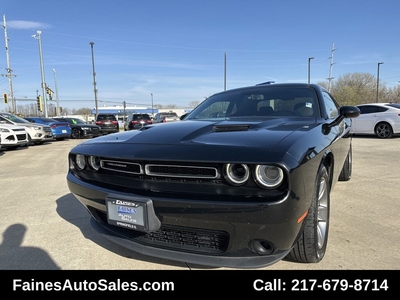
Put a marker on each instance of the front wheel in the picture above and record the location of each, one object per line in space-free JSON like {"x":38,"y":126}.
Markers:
{"x":311,"y":246}
{"x":75,"y":134}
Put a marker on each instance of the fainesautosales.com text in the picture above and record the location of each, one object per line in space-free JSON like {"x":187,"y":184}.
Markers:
{"x":90,"y":286}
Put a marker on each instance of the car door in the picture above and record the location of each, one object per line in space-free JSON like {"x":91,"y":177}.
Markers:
{"x":369,"y":116}
{"x":339,"y":134}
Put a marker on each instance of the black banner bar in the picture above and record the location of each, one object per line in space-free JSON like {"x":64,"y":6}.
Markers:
{"x":201,"y":282}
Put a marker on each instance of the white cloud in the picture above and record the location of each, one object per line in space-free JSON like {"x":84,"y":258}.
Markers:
{"x":19,"y":24}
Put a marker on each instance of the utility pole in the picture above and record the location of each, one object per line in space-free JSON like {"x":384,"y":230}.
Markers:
{"x":94,"y":83}
{"x":9,"y":71}
{"x":330,"y":68}
{"x":56,"y":85}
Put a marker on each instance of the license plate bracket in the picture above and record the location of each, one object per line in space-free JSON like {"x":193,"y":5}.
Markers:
{"x":135,"y":213}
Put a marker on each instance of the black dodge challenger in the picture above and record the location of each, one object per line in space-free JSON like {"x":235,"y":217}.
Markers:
{"x":242,"y":181}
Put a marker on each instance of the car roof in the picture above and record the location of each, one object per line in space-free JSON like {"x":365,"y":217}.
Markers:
{"x":379,"y":104}
{"x":276,"y":85}
{"x":394,"y":105}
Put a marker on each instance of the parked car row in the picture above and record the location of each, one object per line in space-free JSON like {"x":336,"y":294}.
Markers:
{"x":139,"y":120}
{"x":16,"y":131}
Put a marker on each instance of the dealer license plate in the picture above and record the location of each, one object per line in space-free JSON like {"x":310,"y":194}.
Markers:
{"x":64,"y":131}
{"x":129,"y":214}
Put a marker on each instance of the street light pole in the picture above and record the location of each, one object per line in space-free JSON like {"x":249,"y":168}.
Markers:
{"x":152,"y":107}
{"x":56,"y":85}
{"x":309,"y":59}
{"x":377,"y":84}
{"x":94,"y":83}
{"x":38,"y":36}
{"x":225,"y":71}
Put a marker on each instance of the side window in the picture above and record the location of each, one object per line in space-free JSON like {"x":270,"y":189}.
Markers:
{"x":215,"y":110}
{"x":332,"y":109}
{"x":371,"y":109}
{"x":368,"y":110}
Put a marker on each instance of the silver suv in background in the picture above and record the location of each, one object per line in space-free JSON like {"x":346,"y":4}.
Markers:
{"x":165,"y":117}
{"x":37,"y":133}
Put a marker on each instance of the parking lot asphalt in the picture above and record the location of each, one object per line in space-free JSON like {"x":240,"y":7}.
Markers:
{"x":44,"y":227}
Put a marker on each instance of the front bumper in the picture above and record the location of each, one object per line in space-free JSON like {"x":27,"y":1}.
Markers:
{"x":222,"y":234}
{"x":61,"y":135}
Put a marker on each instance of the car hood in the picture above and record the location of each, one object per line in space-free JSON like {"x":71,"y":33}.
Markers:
{"x":12,"y":127}
{"x":212,"y":140}
{"x":32,"y":125}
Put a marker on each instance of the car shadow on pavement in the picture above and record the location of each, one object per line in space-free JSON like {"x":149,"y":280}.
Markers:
{"x":14,"y":256}
{"x":71,"y":210}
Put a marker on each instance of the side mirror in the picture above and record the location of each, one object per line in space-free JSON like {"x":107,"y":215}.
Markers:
{"x":344,"y":112}
{"x":183,"y":116}
{"x":349,"y":111}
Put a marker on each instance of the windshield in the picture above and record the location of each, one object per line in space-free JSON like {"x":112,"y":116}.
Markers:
{"x":77,"y":121}
{"x":258,"y":102}
{"x":14,"y":118}
{"x":141,"y":117}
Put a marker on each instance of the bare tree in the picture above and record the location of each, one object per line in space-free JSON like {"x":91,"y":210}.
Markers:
{"x":171,"y":106}
{"x":85,"y":112}
{"x":194,"y":103}
{"x":355,"y":88}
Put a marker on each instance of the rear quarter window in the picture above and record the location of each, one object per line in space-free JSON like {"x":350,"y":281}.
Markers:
{"x":106,"y":117}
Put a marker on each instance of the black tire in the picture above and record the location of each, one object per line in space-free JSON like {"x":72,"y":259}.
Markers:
{"x":383,"y":130}
{"x":345,"y":174}
{"x":311,"y":246}
{"x":75,"y":133}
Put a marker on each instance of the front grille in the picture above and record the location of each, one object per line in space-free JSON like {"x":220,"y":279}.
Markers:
{"x":161,"y":170}
{"x":21,"y":137}
{"x":47,"y":129}
{"x":181,"y":171}
{"x":185,"y":239}
{"x":120,"y":166}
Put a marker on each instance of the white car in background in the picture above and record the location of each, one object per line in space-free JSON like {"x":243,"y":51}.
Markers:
{"x":380,"y":119}
{"x":12,"y":136}
{"x":37,"y":133}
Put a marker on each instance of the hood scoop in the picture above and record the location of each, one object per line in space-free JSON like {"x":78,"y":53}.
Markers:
{"x":227,"y":128}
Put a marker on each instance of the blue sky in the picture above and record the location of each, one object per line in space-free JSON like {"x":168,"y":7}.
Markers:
{"x":176,"y":49}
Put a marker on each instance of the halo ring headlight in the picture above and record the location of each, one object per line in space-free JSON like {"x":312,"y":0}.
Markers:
{"x":236,"y":174}
{"x":268,"y":176}
{"x":80,"y":161}
{"x":94,"y":162}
